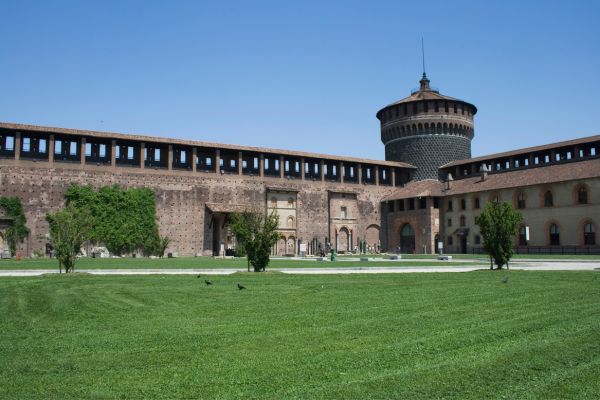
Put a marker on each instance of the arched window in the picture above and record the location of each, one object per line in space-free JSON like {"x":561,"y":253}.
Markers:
{"x":290,"y":222}
{"x":589,"y":234}
{"x":463,"y":220}
{"x":548,"y":199}
{"x":476,"y":203}
{"x":407,"y":239}
{"x":273,"y":202}
{"x":582,"y":195}
{"x":290,"y":203}
{"x":521,"y":200}
{"x":554,"y":235}
{"x":523,"y":235}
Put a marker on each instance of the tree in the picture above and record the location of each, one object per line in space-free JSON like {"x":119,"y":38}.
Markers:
{"x":257,"y":233}
{"x":124,"y":220}
{"x":69,"y":229}
{"x":17,"y":231}
{"x":498,"y":224}
{"x":156,"y":245}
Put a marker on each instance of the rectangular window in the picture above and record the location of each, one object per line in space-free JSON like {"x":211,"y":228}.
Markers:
{"x":411,"y":204}
{"x":102,"y":152}
{"x":450,"y":240}
{"x":130,"y":153}
{"x":401,"y":205}
{"x":10,"y":143}
{"x":477,"y":239}
{"x":88,"y":149}
{"x":182,"y":157}
{"x":26,"y":144}
{"x":449,"y":222}
{"x":449,"y":205}
{"x":156,"y":154}
{"x":73,"y":148}
{"x":42,"y":146}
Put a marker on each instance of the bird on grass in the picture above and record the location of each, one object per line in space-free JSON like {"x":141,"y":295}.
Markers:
{"x":208,"y":283}
{"x":505,"y":279}
{"x":240,"y":287}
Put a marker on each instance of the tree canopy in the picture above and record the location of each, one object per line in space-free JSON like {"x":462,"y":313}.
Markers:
{"x":124,"y":220}
{"x":256,"y":232}
{"x":69,"y":229}
{"x":17,"y":231}
{"x":498,"y":224}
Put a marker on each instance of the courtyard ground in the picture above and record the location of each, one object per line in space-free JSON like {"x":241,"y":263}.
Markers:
{"x":467,"y":335}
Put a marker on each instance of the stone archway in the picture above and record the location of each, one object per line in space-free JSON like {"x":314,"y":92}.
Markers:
{"x":291,"y":245}
{"x":372,"y":237}
{"x":343,"y":240}
{"x":407,"y":239}
{"x":281,"y":246}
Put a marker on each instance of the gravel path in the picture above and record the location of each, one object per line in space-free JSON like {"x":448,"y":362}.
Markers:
{"x":537,"y":265}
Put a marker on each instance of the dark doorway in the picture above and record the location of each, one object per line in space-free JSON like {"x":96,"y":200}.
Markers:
{"x":463,"y":244}
{"x":407,"y":239}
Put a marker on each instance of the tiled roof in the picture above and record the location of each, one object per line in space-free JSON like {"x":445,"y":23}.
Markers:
{"x":155,"y":139}
{"x":525,"y":150}
{"x":527,"y":177}
{"x":424,"y":188}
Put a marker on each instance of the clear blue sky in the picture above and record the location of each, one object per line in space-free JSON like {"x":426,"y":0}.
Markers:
{"x":300,"y":75}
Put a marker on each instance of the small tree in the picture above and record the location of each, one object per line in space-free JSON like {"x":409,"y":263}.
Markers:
{"x":498,"y":224}
{"x":69,"y":229}
{"x":17,"y":231}
{"x":257,"y":233}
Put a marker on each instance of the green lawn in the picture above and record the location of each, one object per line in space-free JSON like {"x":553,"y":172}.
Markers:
{"x":209,"y":262}
{"x":460,"y":335}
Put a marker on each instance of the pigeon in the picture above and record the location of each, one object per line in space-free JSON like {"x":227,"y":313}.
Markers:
{"x":240,"y":287}
{"x":505,"y":279}
{"x":208,"y":283}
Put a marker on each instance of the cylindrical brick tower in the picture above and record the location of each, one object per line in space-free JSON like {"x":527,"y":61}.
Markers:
{"x":427,"y":130}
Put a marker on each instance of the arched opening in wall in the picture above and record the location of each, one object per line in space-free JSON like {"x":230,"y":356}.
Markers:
{"x":519,"y":199}
{"x":522,"y":235}
{"x":439,"y":128}
{"x":291,"y":246}
{"x":589,"y":234}
{"x":273,"y":202}
{"x":372,"y":238}
{"x":407,"y":239}
{"x":281,"y":246}
{"x":290,"y":202}
{"x":554,"y":234}
{"x":548,"y":199}
{"x":290,"y":222}
{"x":581,"y":194}
{"x":343,"y":240}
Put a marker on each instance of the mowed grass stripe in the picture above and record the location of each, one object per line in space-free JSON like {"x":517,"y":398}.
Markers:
{"x":383,"y":336}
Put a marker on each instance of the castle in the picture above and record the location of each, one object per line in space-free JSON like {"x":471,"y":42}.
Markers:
{"x":426,"y":194}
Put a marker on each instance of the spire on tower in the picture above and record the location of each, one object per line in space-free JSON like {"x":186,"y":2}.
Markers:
{"x":424,"y":81}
